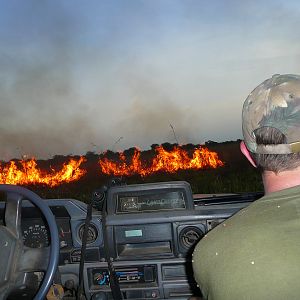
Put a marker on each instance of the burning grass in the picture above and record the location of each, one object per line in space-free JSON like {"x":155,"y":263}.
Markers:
{"x":163,"y":161}
{"x":80,"y":176}
{"x":26,"y":172}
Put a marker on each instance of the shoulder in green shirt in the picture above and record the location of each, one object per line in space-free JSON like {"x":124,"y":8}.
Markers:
{"x":255,"y":254}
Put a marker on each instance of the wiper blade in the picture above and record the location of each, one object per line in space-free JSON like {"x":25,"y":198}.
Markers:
{"x":227,"y":199}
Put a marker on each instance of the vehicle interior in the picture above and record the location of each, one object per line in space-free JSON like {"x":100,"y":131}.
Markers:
{"x":129,"y":242}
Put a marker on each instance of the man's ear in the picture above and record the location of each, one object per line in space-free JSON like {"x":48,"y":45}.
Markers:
{"x":245,"y":151}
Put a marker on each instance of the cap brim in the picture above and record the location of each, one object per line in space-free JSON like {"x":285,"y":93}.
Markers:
{"x":278,"y":149}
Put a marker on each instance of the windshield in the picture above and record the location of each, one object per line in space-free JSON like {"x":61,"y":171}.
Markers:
{"x":121,"y":83}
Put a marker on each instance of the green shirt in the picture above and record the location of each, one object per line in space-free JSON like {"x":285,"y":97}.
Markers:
{"x":255,"y":254}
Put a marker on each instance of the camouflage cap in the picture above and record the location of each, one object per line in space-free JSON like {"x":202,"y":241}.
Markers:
{"x":274,"y":103}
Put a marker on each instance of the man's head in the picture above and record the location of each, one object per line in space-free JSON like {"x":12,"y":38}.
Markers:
{"x":271,"y":123}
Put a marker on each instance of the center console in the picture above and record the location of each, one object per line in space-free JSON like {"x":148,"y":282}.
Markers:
{"x":152,"y":230}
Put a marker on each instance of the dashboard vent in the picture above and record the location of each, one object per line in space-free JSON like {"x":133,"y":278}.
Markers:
{"x":189,"y":236}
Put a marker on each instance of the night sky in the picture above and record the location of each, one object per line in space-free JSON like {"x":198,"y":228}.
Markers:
{"x":78,"y":76}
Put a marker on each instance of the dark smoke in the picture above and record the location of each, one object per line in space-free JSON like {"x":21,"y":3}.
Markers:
{"x":40,"y":114}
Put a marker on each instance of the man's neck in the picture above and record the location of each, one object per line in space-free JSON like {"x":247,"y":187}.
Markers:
{"x":283,"y":180}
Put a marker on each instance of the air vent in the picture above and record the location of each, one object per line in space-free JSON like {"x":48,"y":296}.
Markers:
{"x":189,"y":236}
{"x":92,"y":233}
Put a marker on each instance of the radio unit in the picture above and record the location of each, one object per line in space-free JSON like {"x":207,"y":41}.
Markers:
{"x":145,"y":274}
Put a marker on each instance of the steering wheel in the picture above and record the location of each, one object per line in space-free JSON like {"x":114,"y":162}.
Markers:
{"x":16,"y":260}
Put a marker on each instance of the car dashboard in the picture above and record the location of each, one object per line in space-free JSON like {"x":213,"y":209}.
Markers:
{"x":151,"y":251}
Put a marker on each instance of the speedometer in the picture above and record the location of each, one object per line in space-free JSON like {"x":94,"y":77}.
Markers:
{"x":35,"y":236}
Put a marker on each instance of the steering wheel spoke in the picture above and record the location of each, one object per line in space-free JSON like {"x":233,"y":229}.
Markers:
{"x":9,"y":249}
{"x":13,"y":214}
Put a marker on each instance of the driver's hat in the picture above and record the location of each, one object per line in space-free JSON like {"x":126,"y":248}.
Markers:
{"x":274,"y":103}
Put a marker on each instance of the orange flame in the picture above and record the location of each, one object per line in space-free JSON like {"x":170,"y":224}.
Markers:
{"x":30,"y":174}
{"x":167,"y":161}
{"x":26,"y":172}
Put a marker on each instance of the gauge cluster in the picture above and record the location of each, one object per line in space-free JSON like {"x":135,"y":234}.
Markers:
{"x":35,"y":233}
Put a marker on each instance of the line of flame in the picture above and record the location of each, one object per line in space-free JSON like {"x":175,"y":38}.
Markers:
{"x":26,"y":172}
{"x":168,"y":161}
{"x":30,"y":174}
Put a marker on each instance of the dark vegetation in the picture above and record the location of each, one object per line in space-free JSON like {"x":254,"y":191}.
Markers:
{"x":236,"y":176}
